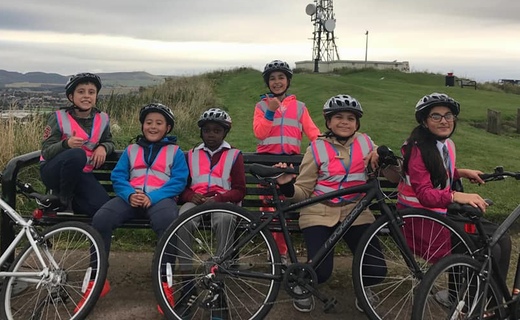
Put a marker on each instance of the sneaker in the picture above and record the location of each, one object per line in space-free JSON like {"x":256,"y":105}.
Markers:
{"x":283,"y":259}
{"x":372,"y":299}
{"x":104,"y":292}
{"x":168,"y":291}
{"x":303,"y":305}
{"x":443,"y":298}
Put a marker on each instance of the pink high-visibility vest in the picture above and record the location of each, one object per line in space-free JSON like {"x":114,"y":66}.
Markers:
{"x":149,"y":178}
{"x":407,"y":196}
{"x":206,"y":179}
{"x":333,"y":173}
{"x":69,"y":127}
{"x":285,"y":136}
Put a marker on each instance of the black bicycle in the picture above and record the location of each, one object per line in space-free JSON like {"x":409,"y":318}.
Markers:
{"x":469,"y":286}
{"x":227,"y":272}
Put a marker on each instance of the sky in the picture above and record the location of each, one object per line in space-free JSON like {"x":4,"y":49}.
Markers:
{"x":477,"y":39}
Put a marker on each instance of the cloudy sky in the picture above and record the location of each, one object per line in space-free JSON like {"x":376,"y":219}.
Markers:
{"x":473,"y":38}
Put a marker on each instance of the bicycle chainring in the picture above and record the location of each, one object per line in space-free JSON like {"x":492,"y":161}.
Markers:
{"x":302,"y":275}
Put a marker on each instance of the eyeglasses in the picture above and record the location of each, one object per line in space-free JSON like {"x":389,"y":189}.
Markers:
{"x":450,"y":117}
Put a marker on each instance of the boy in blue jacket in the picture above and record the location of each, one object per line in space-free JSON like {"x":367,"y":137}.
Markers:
{"x":147,"y":179}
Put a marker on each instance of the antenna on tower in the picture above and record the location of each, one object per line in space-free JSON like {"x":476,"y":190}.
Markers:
{"x":322,"y":15}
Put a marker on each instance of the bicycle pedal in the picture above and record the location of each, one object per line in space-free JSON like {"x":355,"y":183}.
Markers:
{"x":330,"y":305}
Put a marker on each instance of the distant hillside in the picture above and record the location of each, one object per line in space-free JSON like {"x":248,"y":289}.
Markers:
{"x":110,"y":80}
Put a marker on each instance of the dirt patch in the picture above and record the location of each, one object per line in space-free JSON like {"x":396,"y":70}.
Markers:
{"x":132,"y":295}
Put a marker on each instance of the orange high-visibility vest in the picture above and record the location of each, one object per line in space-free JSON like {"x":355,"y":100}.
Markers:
{"x":285,"y":136}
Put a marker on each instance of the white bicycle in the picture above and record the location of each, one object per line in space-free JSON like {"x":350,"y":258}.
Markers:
{"x":53,"y":269}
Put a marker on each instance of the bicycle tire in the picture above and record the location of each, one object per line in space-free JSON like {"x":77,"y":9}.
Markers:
{"x":67,"y":249}
{"x":460,"y":277}
{"x":390,"y":296}
{"x":245,"y":296}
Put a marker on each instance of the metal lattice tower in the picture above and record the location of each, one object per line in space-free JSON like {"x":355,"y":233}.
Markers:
{"x":324,"y":46}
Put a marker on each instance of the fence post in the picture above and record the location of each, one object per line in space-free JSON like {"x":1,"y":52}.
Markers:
{"x":494,"y":122}
{"x":517,"y":120}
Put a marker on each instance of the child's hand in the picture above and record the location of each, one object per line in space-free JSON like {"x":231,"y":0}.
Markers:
{"x":98,"y":156}
{"x":273,"y":103}
{"x":198,"y":199}
{"x":472,"y":199}
{"x":285,"y":178}
{"x":145,"y":202}
{"x":75,"y":142}
{"x":136,"y":200}
{"x":372,"y":158}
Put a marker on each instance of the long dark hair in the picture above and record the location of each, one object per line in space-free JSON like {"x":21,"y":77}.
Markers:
{"x":427,"y":144}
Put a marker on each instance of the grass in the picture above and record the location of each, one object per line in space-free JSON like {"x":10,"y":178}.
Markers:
{"x":388,"y":99}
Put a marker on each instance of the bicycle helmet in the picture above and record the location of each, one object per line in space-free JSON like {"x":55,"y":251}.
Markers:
{"x":82,"y":78}
{"x":340,"y":103}
{"x":216,"y":115}
{"x":276,"y":65}
{"x":427,"y":102}
{"x":160,"y":108}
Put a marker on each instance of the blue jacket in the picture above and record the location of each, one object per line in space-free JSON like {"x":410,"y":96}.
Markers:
{"x":179,"y":174}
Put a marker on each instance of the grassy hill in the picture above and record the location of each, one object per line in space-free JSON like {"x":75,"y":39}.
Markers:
{"x":388,"y":99}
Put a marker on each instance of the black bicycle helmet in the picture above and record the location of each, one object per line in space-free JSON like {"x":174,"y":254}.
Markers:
{"x":162,"y":109}
{"x":435,"y":99}
{"x":276,"y":65}
{"x":216,"y":115}
{"x":342,"y":102}
{"x":82,"y":78}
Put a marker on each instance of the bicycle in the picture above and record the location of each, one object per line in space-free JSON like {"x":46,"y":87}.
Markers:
{"x":226,"y":281}
{"x":474,"y":289}
{"x":52,"y":269}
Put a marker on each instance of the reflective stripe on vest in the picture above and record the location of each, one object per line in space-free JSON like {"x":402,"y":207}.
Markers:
{"x":204,"y":178}
{"x":286,"y":132}
{"x":333,"y":174}
{"x":69,"y":127}
{"x":149,"y":178}
{"x":407,"y":196}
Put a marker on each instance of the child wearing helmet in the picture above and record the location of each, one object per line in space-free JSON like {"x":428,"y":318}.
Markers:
{"x":76,"y":140}
{"x":342,"y":152}
{"x":279,"y":122}
{"x":430,"y":172}
{"x":216,"y":175}
{"x":147,"y":179}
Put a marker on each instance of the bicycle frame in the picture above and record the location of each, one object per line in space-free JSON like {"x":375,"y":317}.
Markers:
{"x":372,"y":191}
{"x":30,"y":233}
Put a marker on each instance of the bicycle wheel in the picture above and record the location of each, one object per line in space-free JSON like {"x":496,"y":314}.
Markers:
{"x":454,"y":288}
{"x":75,"y":255}
{"x":388,"y":294}
{"x":187,"y":264}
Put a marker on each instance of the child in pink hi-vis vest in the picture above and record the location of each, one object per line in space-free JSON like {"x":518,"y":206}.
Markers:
{"x":279,"y":123}
{"x":430,"y":170}
{"x":76,"y":140}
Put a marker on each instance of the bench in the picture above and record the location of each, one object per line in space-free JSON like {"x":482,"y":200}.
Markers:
{"x":467,"y":83}
{"x":251,"y":201}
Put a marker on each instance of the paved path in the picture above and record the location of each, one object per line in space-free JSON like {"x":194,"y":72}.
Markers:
{"x":132,"y":296}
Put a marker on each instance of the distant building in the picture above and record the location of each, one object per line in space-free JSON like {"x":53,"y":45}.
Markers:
{"x":329,"y":66}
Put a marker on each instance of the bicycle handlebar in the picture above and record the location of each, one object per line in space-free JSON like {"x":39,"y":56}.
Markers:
{"x":499,"y":174}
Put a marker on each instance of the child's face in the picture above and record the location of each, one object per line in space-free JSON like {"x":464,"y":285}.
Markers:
{"x":212,"y":135}
{"x":155,"y":127}
{"x":343,"y":124}
{"x":442,"y":127}
{"x":84,"y":96}
{"x":278,"y":82}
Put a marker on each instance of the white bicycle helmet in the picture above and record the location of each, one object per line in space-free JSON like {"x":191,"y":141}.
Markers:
{"x":160,"y":108}
{"x":73,"y":82}
{"x":342,"y":102}
{"x":216,"y":115}
{"x":432,"y":100}
{"x":276,"y":65}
